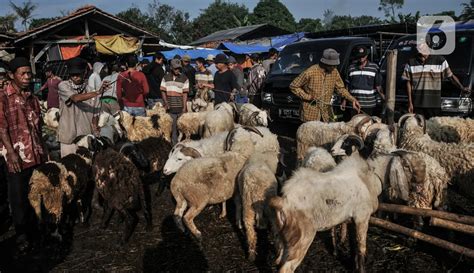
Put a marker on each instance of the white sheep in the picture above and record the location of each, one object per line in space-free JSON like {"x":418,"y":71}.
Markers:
{"x":51,"y":118}
{"x":209,"y":180}
{"x":256,"y":184}
{"x":251,"y":115}
{"x":322,"y":134}
{"x":456,"y":158}
{"x":185,"y":151}
{"x":318,"y":159}
{"x":110,"y":127}
{"x":451,"y":129}
{"x":219,"y":120}
{"x":312,"y":201}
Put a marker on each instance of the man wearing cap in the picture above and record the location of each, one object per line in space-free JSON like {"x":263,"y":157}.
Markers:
{"x":78,"y":106}
{"x":174,"y":90}
{"x":52,"y":82}
{"x":424,"y":75}
{"x":154,"y":74}
{"x":316,"y":85}
{"x":190,"y":73}
{"x":211,"y":65}
{"x":225,"y":82}
{"x":21,"y":145}
{"x":364,"y":82}
{"x":132,"y":88}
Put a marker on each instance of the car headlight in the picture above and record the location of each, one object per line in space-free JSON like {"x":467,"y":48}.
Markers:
{"x":267,"y":97}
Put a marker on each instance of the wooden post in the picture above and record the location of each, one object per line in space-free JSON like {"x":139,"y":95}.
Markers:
{"x":469,"y":220}
{"x":86,"y":29}
{"x":438,"y":222}
{"x":32,"y":59}
{"x":422,"y":236}
{"x":391,"y":85}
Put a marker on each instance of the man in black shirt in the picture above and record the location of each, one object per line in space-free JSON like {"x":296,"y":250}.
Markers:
{"x":225,"y":82}
{"x":190,"y":73}
{"x":154,"y":73}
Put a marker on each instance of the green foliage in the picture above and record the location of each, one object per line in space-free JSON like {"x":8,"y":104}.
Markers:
{"x":25,"y":12}
{"x":389,"y":6}
{"x":328,"y":15}
{"x":36,"y":22}
{"x":468,"y":11}
{"x":347,"y":21}
{"x":7,"y":23}
{"x":309,"y":25}
{"x":134,"y":16}
{"x":273,"y":12}
{"x":408,"y":18}
{"x":219,"y":15}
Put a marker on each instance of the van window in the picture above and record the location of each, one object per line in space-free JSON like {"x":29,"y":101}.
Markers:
{"x":296,"y":59}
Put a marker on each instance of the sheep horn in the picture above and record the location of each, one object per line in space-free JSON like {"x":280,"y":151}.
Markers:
{"x":230,"y":136}
{"x":403,"y":118}
{"x":77,"y":139}
{"x":254,"y":116}
{"x":372,"y":128}
{"x":357,"y":116}
{"x":253,"y":129}
{"x":394,"y":131}
{"x":421,"y":121}
{"x":358,"y":127}
{"x":357,"y":140}
{"x":189,"y":151}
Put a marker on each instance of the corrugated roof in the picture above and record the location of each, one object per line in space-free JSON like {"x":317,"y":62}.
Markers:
{"x":81,"y":12}
{"x":242,"y":33}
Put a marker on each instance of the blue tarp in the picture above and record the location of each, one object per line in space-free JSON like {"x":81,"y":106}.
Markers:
{"x":277,"y":42}
{"x":194,"y":53}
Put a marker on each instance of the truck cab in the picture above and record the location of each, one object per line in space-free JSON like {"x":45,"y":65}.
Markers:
{"x":296,"y":58}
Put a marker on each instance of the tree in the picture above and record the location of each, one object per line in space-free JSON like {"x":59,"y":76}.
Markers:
{"x":468,"y":11}
{"x":217,"y":16}
{"x":25,"y":12}
{"x":7,"y":23}
{"x":309,"y":25}
{"x":134,"y":16}
{"x":347,"y":21}
{"x":389,"y":6}
{"x":273,"y":12}
{"x":408,"y":18}
{"x":328,"y":15}
{"x":36,"y":22}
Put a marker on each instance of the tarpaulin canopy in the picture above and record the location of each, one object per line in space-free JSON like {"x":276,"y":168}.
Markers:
{"x":243,"y":49}
{"x":262,"y":45}
{"x":193,"y":53}
{"x":116,"y":44}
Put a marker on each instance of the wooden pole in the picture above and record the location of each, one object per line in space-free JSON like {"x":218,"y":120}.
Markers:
{"x":422,"y":236}
{"x":391,"y":85}
{"x":469,"y":220}
{"x":438,"y":222}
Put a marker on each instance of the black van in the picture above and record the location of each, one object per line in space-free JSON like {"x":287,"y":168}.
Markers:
{"x":294,"y":59}
{"x":461,"y":62}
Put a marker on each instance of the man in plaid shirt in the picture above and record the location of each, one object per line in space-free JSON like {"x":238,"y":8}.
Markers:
{"x":315,"y":87}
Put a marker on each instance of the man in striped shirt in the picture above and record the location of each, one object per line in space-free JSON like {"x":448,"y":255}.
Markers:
{"x":424,"y":75}
{"x":364,"y":82}
{"x":174,"y":90}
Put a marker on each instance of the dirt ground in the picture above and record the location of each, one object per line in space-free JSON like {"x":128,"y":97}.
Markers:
{"x":166,"y":249}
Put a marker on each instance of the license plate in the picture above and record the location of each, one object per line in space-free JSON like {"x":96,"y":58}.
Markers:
{"x":289,"y":113}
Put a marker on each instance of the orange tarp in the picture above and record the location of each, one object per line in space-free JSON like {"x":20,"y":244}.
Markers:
{"x":116,"y":44}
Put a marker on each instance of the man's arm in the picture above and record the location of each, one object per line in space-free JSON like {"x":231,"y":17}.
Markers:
{"x":455,"y":80}
{"x":406,"y":76}
{"x":185,"y":95}
{"x":12,"y":157}
{"x":342,"y":91}
{"x":296,"y":87}
{"x":163,"y":93}
{"x":144,"y":82}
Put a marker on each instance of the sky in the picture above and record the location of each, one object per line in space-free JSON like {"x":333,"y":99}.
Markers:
{"x":299,"y":8}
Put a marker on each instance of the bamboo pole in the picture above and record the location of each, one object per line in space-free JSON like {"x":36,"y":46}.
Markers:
{"x":438,"y":222}
{"x":422,"y":236}
{"x":464,"y":219}
{"x":391,"y":86}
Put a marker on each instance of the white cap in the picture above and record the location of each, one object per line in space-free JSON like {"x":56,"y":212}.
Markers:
{"x":210,"y":57}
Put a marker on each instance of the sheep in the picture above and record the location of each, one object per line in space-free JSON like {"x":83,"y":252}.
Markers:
{"x":256,"y":184}
{"x":51,"y":118}
{"x":200,"y":105}
{"x":210,"y":180}
{"x":457,"y":159}
{"x":118,"y":182}
{"x":110,"y":127}
{"x":190,"y":124}
{"x":219,"y":120}
{"x":139,"y":128}
{"x":321,"y":134}
{"x":451,"y":129}
{"x":312,"y":201}
{"x":318,"y":159}
{"x":213,"y":146}
{"x":251,"y":115}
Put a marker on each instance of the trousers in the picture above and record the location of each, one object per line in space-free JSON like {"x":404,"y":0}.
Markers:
{"x":22,"y":212}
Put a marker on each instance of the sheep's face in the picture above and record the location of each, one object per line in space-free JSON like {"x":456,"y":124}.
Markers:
{"x":338,"y":148}
{"x":175,"y":161}
{"x":106,"y":119}
{"x":262,"y":118}
{"x":384,"y":141}
{"x":413,"y":125}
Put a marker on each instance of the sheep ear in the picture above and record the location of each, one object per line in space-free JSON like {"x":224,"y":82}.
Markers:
{"x":254,"y":115}
{"x":188,"y":151}
{"x":277,"y":204}
{"x":57,"y":116}
{"x":398,"y":188}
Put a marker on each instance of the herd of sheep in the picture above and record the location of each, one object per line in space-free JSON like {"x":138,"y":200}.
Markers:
{"x":227,"y":152}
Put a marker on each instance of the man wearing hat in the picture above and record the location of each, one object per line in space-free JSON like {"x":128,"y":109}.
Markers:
{"x":190,"y":73}
{"x":316,"y":85}
{"x":21,"y":145}
{"x":78,"y":106}
{"x":423,"y":75}
{"x":211,"y":66}
{"x":174,"y":90}
{"x":225,"y":82}
{"x":364,"y":82}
